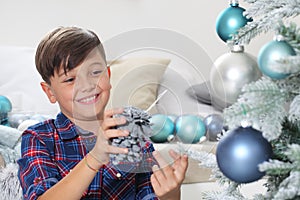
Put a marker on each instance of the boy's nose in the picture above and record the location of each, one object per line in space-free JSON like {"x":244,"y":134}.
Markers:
{"x":86,"y":84}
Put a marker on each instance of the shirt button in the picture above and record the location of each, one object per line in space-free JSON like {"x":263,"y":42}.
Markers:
{"x":119,"y":175}
{"x":37,"y":180}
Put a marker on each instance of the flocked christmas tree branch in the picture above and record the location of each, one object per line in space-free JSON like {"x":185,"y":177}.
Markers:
{"x":272,"y":106}
{"x":294,"y":113}
{"x":265,"y":13}
{"x":262,"y":104}
{"x":288,"y":188}
{"x":208,"y":160}
{"x":291,"y":34}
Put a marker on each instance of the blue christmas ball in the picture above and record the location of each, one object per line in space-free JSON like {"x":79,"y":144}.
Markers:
{"x":162,"y":127}
{"x":189,"y":128}
{"x":5,"y":104}
{"x":271,"y":52}
{"x":214,"y":126}
{"x":240,"y":152}
{"x":230,"y":20}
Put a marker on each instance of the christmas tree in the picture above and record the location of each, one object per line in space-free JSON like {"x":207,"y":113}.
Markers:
{"x":271,"y":104}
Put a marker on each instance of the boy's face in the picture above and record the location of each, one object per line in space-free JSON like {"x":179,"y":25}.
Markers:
{"x":83,"y":92}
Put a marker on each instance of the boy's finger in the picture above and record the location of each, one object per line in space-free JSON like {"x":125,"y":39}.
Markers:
{"x":154,"y":182}
{"x":116,"y":150}
{"x":158,"y":174}
{"x":166,"y":169}
{"x":181,"y":167}
{"x":161,"y":161}
{"x":174,"y":154}
{"x":113,"y":111}
{"x":112,"y":122}
{"x":112,"y":133}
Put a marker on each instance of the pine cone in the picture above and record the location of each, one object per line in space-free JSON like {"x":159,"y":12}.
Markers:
{"x":138,"y":125}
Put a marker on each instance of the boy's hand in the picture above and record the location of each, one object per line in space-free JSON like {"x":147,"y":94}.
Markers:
{"x":102,"y":147}
{"x":166,"y":181}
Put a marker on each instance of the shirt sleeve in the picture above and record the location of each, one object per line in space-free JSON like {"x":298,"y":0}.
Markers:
{"x":144,"y":188}
{"x":37,"y":172}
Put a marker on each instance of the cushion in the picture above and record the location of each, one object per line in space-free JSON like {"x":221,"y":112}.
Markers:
{"x":203,"y":93}
{"x":135,"y":81}
{"x":176,"y":101}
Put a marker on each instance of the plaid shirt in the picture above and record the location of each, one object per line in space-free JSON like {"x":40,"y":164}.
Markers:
{"x":52,"y":148}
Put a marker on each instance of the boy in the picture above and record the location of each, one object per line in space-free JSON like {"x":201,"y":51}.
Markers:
{"x":68,"y":157}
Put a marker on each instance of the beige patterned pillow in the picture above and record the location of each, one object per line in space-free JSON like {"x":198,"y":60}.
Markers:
{"x":135,"y":81}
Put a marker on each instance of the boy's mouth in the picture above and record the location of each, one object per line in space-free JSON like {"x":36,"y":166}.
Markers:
{"x":89,"y":99}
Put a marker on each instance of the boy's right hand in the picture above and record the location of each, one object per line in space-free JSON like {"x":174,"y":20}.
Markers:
{"x":102,"y":148}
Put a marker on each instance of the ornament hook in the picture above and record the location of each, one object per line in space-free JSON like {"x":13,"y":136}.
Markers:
{"x":234,"y":2}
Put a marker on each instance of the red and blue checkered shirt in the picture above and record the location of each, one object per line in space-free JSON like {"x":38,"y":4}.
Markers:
{"x":52,"y":148}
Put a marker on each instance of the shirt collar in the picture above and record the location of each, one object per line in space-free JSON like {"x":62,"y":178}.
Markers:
{"x":66,"y":129}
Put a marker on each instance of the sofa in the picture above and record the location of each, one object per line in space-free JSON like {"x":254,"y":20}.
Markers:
{"x":140,"y":72}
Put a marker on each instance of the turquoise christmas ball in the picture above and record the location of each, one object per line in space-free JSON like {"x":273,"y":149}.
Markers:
{"x":162,"y":127}
{"x":5,"y":104}
{"x":189,"y":128}
{"x":173,"y":118}
{"x":268,"y":55}
{"x":230,"y":20}
{"x":4,"y":119}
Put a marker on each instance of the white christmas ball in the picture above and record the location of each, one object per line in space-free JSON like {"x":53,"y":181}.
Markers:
{"x":231,"y":71}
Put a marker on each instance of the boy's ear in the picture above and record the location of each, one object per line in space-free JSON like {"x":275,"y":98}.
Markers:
{"x":47,"y":89}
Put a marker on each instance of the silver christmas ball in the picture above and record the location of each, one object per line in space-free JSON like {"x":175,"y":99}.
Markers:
{"x":231,"y":71}
{"x":17,"y":118}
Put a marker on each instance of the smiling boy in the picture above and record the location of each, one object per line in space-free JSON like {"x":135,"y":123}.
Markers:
{"x":68,"y":157}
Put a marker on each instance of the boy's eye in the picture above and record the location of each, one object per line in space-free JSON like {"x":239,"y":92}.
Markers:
{"x":69,"y":80}
{"x":96,"y":72}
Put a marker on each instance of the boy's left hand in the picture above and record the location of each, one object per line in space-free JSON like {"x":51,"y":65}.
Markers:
{"x":166,"y":180}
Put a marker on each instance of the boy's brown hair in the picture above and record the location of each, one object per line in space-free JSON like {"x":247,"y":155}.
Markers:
{"x":66,"y":48}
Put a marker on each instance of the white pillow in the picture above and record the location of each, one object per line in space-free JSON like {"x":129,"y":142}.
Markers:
{"x":135,"y":81}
